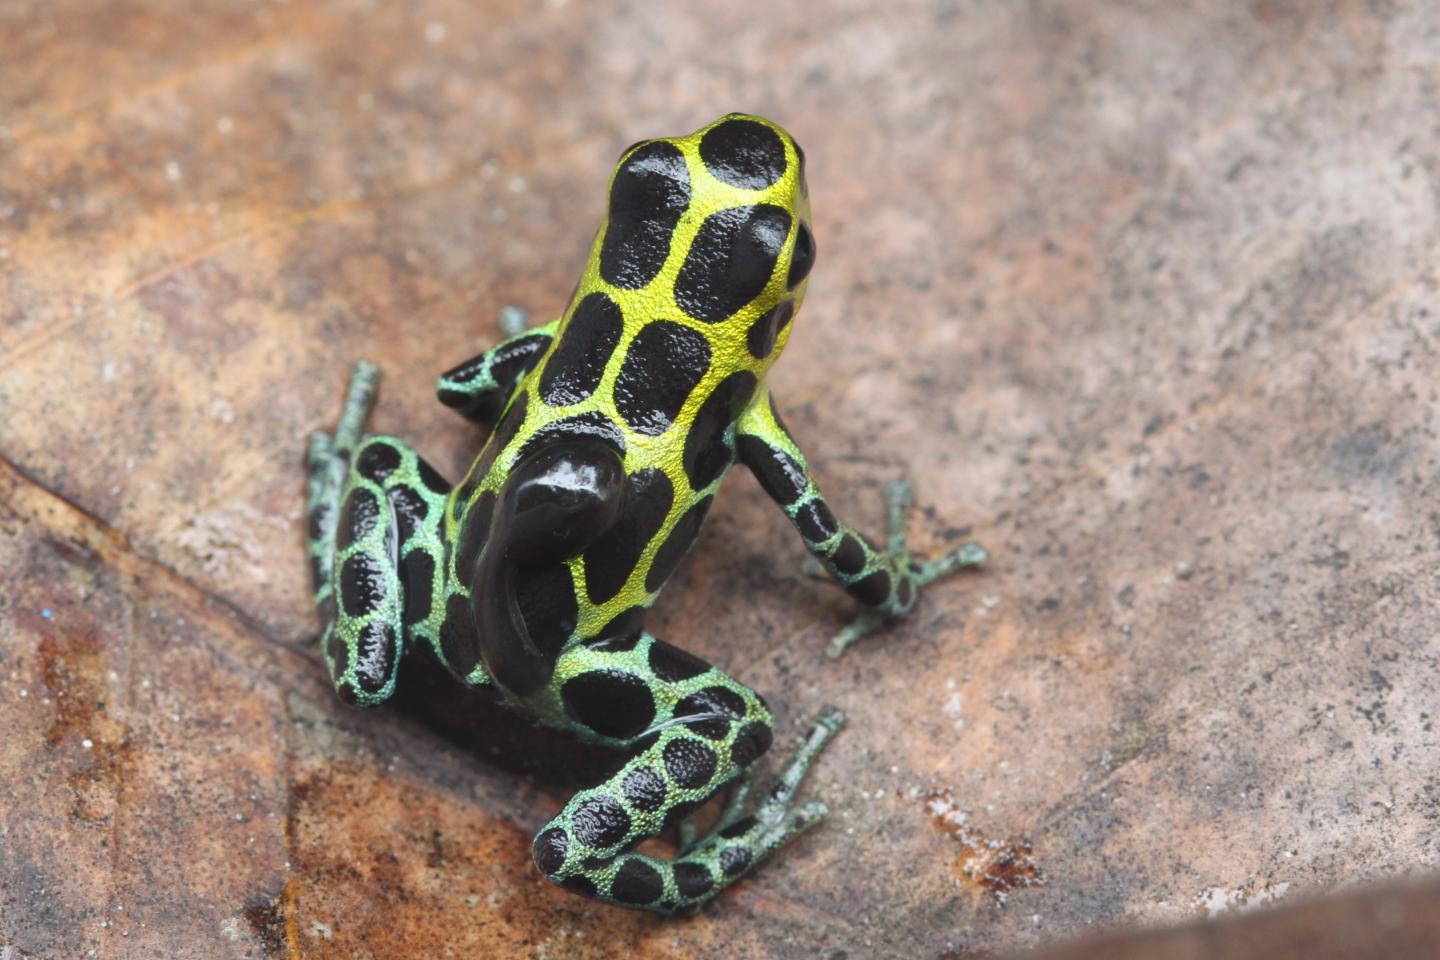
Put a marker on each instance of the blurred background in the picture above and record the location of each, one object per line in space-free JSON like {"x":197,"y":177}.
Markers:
{"x":1141,"y":295}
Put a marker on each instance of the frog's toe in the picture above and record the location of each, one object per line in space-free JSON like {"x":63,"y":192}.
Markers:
{"x":359,"y":398}
{"x":802,"y":818}
{"x":513,"y":320}
{"x":830,"y":717}
{"x":741,"y":842}
{"x":865,"y":622}
{"x":317,"y":449}
{"x":899,"y":495}
{"x":967,"y":555}
{"x":971,"y":555}
{"x":814,"y":568}
{"x":827,"y":723}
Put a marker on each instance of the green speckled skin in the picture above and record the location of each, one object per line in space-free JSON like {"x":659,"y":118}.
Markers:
{"x":614,"y":426}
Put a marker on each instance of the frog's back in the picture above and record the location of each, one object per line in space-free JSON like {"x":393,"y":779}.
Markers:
{"x":685,"y":301}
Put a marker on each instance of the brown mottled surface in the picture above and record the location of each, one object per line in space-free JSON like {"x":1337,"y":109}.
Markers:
{"x":1385,"y":921}
{"x":1146,"y":293}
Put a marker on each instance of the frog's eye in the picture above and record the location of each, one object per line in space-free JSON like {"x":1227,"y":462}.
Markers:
{"x":803,"y":258}
{"x":760,"y":339}
{"x":633,"y":146}
{"x":800,"y":167}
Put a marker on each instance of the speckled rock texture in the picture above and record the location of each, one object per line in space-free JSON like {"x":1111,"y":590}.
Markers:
{"x":1142,"y":295}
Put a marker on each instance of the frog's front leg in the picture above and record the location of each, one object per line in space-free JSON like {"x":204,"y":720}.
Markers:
{"x":376,"y":510}
{"x":885,"y":583}
{"x":689,"y":729}
{"x":477,"y":389}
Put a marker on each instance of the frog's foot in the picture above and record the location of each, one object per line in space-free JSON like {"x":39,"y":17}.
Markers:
{"x":908,"y":574}
{"x":774,"y":822}
{"x":513,"y":321}
{"x":328,"y":454}
{"x":327,"y":458}
{"x":739,"y":840}
{"x":479,"y":388}
{"x":690,"y":731}
{"x":376,"y":510}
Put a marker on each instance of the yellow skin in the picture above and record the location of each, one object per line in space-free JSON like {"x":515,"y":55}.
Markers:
{"x":615,"y":424}
{"x":640,"y":307}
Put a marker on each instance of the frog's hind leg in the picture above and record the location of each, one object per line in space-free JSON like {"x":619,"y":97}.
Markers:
{"x":689,"y":730}
{"x":376,"y":511}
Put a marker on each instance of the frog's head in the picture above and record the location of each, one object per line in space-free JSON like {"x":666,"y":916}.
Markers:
{"x":711,"y":229}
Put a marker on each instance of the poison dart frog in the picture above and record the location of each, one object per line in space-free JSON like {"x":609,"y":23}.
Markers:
{"x":613,"y":426}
